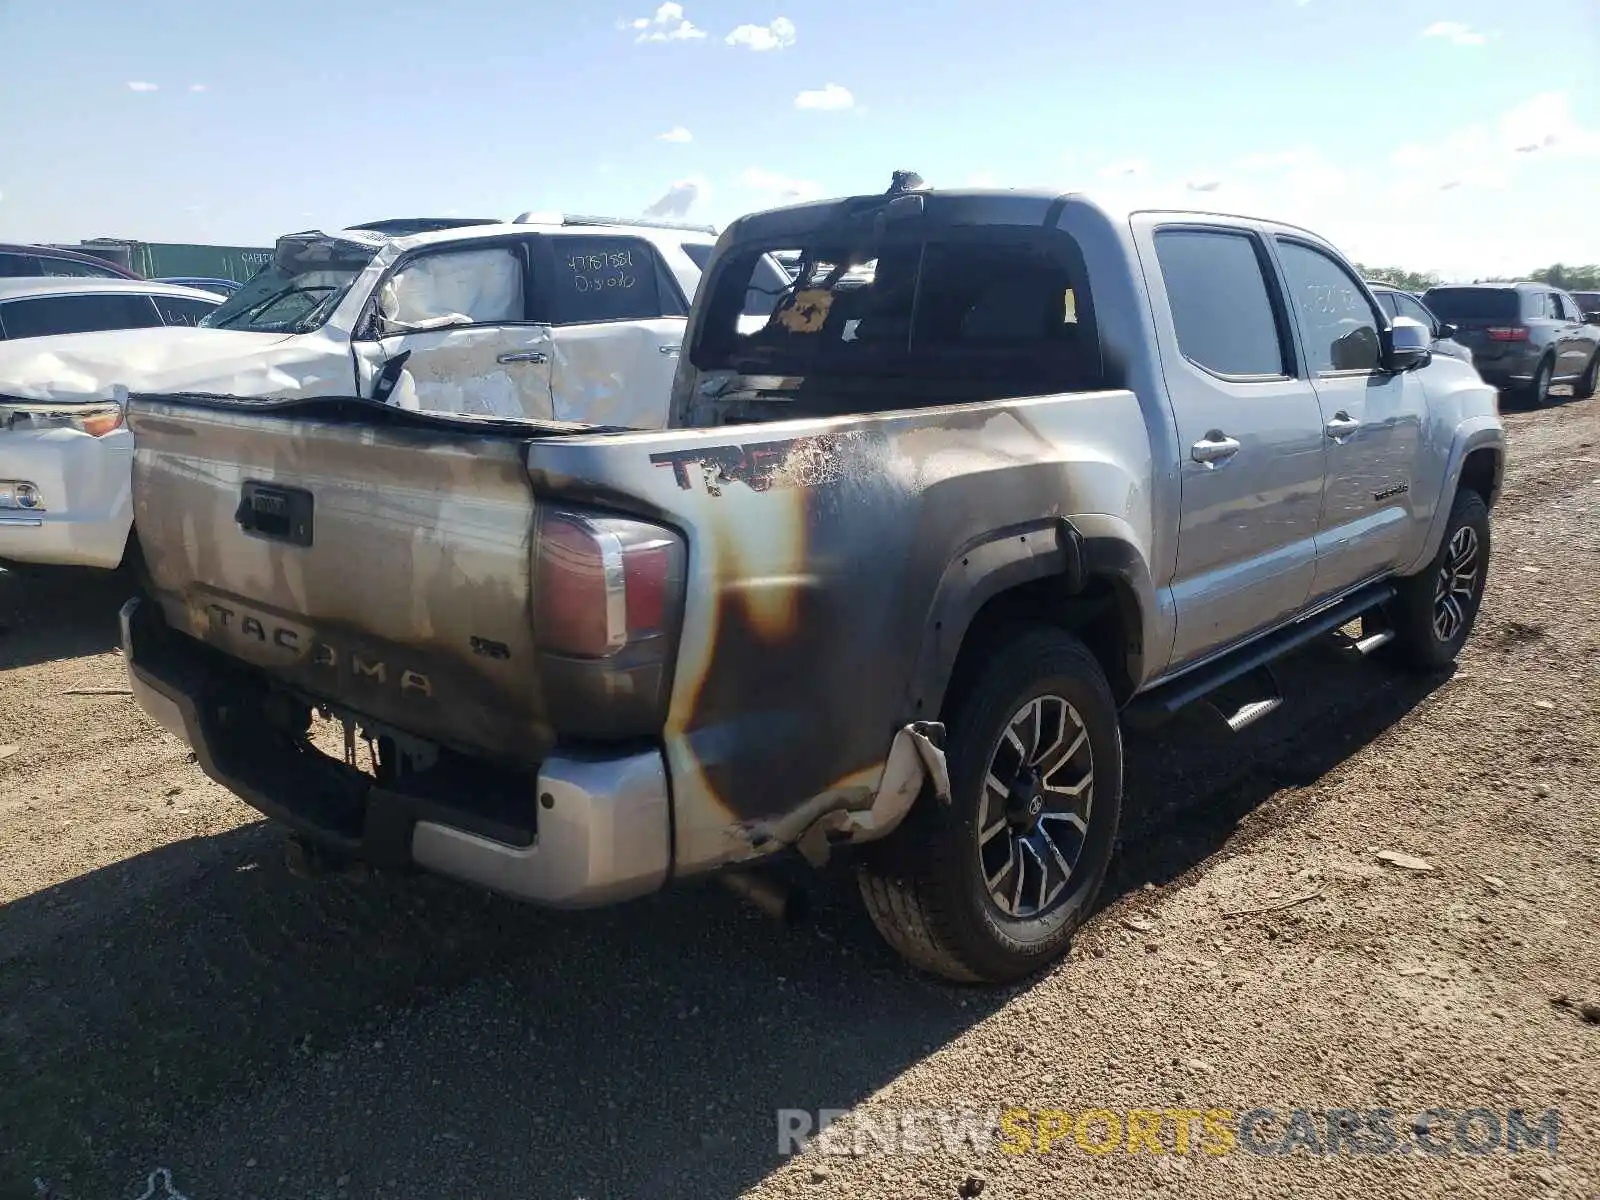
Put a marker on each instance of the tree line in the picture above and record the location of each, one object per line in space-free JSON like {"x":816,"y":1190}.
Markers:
{"x":1571,"y":279}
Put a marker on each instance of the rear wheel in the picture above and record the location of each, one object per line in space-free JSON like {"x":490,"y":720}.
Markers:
{"x":1585,"y":386}
{"x":1434,"y":610}
{"x":1539,"y":389}
{"x":991,"y":886}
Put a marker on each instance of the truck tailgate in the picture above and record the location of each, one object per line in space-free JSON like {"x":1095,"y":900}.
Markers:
{"x":383,"y":562}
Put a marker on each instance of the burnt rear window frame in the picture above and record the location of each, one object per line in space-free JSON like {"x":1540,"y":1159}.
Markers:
{"x":1081,"y":369}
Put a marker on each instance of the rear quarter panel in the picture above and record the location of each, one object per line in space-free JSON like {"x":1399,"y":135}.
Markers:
{"x":816,"y":551}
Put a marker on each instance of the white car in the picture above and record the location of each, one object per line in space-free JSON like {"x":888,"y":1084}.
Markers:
{"x":63,"y":472}
{"x":547,"y":317}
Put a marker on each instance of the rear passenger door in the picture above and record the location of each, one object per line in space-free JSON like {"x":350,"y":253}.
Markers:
{"x":1372,"y":421}
{"x":1249,"y":436}
{"x":1572,"y":350}
{"x":617,"y":325}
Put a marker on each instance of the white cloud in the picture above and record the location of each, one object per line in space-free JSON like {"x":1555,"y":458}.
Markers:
{"x":778,"y":188}
{"x":676,"y":134}
{"x":197,"y":87}
{"x":668,"y":25}
{"x":831,"y":97}
{"x":1203,"y":185}
{"x":139,"y":85}
{"x":775,"y":36}
{"x":1455,"y":33}
{"x":678,"y":199}
{"x":1487,"y":155}
{"x":1457,"y":204}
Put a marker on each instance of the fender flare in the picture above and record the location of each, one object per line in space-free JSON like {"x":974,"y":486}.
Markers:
{"x":1480,"y":433}
{"x":997,"y":562}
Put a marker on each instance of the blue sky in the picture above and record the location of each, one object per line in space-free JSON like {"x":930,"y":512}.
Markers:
{"x":1458,"y":135}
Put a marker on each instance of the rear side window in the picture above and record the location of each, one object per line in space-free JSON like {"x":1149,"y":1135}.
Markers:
{"x":1389,"y":302}
{"x":985,"y":310}
{"x":1473,"y":303}
{"x":607,"y":279}
{"x":181,"y":310}
{"x":1338,"y":322}
{"x":43,"y":315}
{"x":71,"y":268}
{"x":1221,"y":309}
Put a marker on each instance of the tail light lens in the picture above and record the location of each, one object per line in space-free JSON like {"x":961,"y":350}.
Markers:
{"x":608,"y":605}
{"x":1508,"y":333}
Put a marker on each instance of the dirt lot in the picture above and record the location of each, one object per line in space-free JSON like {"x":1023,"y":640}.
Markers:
{"x":170,"y":997}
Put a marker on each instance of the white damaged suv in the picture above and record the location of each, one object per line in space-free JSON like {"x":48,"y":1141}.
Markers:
{"x":547,"y":317}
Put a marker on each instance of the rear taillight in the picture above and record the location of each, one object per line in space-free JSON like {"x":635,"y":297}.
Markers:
{"x":602,"y":584}
{"x":607,"y":609}
{"x":1507,"y":333}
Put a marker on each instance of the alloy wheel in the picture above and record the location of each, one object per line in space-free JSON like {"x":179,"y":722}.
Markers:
{"x":1456,"y":591}
{"x":1033,"y":817}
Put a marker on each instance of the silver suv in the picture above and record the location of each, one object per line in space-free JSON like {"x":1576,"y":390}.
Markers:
{"x":1524,"y":336}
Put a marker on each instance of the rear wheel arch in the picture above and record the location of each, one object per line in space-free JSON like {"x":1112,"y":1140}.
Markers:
{"x":1090,"y":597}
{"x":1481,"y":472}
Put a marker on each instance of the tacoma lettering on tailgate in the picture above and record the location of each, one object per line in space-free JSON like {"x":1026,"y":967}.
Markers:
{"x":300,"y":644}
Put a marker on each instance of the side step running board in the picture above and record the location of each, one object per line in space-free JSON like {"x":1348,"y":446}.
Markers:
{"x":1247,"y":699}
{"x":1167,"y":699}
{"x":1375,"y":641}
{"x":1250,"y":713}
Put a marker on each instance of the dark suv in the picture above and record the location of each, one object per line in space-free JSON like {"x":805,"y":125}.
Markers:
{"x":1523,"y":336}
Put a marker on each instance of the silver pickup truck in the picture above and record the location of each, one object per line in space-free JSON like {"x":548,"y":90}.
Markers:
{"x":999,"y":470}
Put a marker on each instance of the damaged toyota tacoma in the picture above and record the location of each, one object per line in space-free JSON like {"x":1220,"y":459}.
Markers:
{"x":999,"y":471}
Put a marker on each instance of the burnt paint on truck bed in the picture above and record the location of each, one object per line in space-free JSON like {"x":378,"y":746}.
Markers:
{"x":821,"y":557}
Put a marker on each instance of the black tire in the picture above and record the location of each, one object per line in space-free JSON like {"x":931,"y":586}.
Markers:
{"x":1538,"y":393}
{"x":1421,"y":629}
{"x":1585,"y":387}
{"x":925,"y":885}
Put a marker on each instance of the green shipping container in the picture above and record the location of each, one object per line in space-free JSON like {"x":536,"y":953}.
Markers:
{"x":160,"y":260}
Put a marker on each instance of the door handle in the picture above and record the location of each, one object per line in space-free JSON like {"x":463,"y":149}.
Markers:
{"x":527,"y":356}
{"x":1215,"y":449}
{"x":1342,"y":426}
{"x":669,"y":351}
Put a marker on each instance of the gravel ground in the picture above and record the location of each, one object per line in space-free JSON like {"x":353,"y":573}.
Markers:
{"x":171,"y":998}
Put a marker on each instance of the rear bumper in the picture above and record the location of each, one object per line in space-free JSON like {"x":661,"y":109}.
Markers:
{"x":588,"y":830}
{"x":1510,"y":370}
